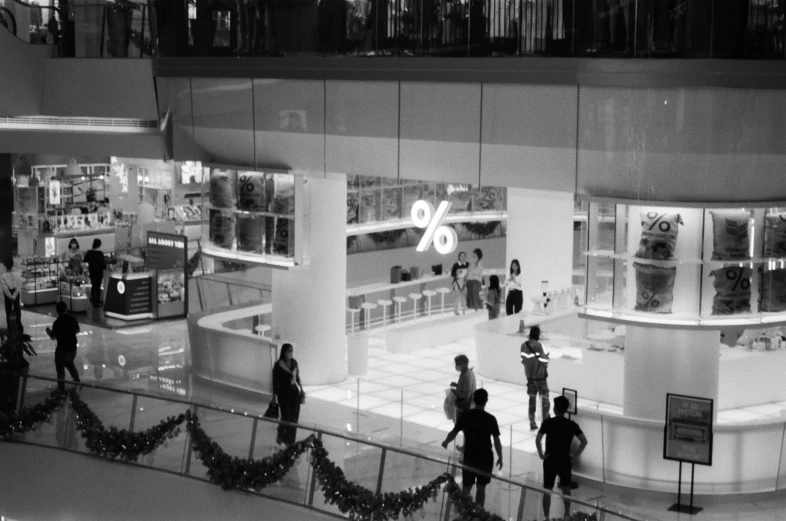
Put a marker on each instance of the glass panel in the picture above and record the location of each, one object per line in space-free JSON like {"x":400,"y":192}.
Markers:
{"x":149,"y":413}
{"x":231,"y":432}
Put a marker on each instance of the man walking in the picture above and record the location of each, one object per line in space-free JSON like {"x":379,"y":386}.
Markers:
{"x":96,"y":266}
{"x":478,"y":427}
{"x":558,"y":459}
{"x":64,"y":331}
{"x":535,"y":361}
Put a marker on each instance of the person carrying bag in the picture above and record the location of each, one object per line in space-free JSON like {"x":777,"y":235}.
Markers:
{"x":288,"y":394}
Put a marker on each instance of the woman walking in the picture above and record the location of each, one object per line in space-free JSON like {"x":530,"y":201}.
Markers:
{"x":475,"y":281}
{"x":459,"y":274}
{"x":288,"y":393}
{"x":515,"y":298}
{"x":493,"y":297}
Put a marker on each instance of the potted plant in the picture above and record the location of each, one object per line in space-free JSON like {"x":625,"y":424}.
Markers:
{"x":15,"y":346}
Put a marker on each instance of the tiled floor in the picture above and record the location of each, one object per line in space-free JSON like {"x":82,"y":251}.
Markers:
{"x":151,"y":358}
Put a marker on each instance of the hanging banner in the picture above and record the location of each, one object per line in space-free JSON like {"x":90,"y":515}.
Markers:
{"x":54,"y":192}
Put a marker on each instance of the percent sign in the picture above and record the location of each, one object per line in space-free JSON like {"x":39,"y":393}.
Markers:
{"x":444,"y":237}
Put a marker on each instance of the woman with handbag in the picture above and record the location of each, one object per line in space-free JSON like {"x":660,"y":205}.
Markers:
{"x":475,"y":281}
{"x":288,"y":393}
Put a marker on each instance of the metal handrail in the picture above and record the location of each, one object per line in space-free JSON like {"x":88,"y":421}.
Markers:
{"x":325,"y":431}
{"x":77,"y":121}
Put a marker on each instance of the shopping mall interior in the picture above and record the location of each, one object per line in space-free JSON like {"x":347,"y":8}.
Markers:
{"x":258,"y":174}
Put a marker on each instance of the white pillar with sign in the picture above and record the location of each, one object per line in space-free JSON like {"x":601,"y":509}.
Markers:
{"x":309,"y":301}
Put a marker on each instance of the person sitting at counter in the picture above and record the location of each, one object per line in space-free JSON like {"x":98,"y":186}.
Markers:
{"x":465,"y":387}
{"x":475,"y":281}
{"x":535,"y":361}
{"x":72,"y":256}
{"x":287,"y":393}
{"x":515,"y":297}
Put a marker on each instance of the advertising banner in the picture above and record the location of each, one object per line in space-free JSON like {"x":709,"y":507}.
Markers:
{"x":687,"y":436}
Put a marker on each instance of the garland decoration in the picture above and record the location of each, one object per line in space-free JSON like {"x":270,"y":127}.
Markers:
{"x":121,"y":443}
{"x":465,"y":506}
{"x":236,"y":473}
{"x":387,"y":238}
{"x":360,"y":503}
{"x":31,"y":418}
{"x":482,"y":229}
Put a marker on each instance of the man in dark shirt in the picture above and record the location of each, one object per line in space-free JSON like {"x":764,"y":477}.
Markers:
{"x":558,"y":459}
{"x":96,"y":265}
{"x":64,"y":331}
{"x":478,"y":427}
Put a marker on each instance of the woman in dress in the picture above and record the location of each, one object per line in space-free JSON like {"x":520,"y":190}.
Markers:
{"x":515,"y":298}
{"x":288,"y":393}
{"x":493,"y":297}
{"x":459,"y":274}
{"x":475,"y":281}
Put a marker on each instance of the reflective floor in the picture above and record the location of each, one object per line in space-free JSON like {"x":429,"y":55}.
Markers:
{"x":399,"y":402}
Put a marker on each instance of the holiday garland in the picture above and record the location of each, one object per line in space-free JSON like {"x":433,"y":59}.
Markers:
{"x":121,"y":443}
{"x":356,"y":501}
{"x":31,"y":418}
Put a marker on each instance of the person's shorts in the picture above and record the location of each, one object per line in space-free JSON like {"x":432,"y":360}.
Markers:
{"x":554,"y":466}
{"x":537,"y":387}
{"x":469,"y":478}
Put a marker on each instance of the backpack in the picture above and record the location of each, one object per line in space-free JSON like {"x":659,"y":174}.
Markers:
{"x":534,"y":367}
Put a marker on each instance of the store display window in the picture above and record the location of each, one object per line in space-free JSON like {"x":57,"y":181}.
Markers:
{"x":690,"y":265}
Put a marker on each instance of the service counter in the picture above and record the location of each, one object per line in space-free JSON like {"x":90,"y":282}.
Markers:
{"x":226,"y":351}
{"x":129,"y":296}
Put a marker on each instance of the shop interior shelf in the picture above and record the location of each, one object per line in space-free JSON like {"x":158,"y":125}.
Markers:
{"x":683,"y":320}
{"x":608,"y":254}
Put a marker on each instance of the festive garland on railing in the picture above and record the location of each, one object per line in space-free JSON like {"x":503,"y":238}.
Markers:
{"x":121,"y":443}
{"x":360,"y":503}
{"x":236,"y":473}
{"x":465,"y":506}
{"x":31,"y":418}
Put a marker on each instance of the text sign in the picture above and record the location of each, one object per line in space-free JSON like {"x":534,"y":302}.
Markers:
{"x":688,"y":433}
{"x":166,"y":251}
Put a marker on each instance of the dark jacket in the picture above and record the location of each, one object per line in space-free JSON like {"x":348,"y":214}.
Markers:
{"x":282,"y":380}
{"x":535,"y":360}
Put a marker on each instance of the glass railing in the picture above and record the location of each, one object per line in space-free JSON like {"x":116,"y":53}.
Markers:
{"x":246,"y":435}
{"x":473,"y":28}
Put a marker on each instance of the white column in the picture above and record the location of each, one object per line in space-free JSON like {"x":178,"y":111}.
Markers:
{"x":309,"y":303}
{"x":659,"y":361}
{"x":540,"y":236}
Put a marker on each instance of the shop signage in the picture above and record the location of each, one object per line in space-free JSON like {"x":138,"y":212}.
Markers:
{"x":687,"y":436}
{"x":443,"y":237}
{"x":166,"y":251}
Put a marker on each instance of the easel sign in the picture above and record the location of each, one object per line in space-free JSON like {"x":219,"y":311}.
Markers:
{"x":687,"y":438}
{"x":573,"y":397}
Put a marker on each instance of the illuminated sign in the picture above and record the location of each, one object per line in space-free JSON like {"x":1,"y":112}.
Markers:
{"x":443,"y":237}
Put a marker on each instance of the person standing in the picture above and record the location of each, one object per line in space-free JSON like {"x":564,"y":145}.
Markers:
{"x":493,"y":297}
{"x":459,"y":274}
{"x":558,"y":459}
{"x":514,"y":298}
{"x":12,"y":285}
{"x":479,"y":427}
{"x":288,"y":393}
{"x":475,"y":281}
{"x":72,"y":258}
{"x":64,"y":331}
{"x":96,"y":265}
{"x":535,"y":361}
{"x":465,"y":387}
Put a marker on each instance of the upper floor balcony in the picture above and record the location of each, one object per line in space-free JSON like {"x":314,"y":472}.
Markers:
{"x":732,"y":29}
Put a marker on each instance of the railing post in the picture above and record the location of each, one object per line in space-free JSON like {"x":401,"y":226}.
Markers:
{"x":133,"y":414}
{"x":381,"y":470}
{"x":601,"y":512}
{"x":20,"y":401}
{"x":522,"y":503}
{"x":310,"y":502}
{"x":253,"y":439}
{"x":188,"y":442}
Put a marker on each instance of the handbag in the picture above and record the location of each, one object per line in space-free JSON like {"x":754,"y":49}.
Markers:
{"x":272,"y":411}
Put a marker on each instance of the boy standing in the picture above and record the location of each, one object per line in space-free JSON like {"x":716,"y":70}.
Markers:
{"x":64,"y":330}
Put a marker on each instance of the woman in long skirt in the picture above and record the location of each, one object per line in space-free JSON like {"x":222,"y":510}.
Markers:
{"x":288,"y":392}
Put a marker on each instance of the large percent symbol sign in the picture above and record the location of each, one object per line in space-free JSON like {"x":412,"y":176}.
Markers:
{"x":444,"y":237}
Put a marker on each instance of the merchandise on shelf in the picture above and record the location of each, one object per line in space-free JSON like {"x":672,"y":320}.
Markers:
{"x":222,"y":228}
{"x":188,"y":213}
{"x":659,"y":231}
{"x":732,"y":290}
{"x":731,"y":237}
{"x":223,"y":188}
{"x":255,"y":191}
{"x":171,"y":286}
{"x":772,"y":290}
{"x":775,"y":234}
{"x":654,"y":288}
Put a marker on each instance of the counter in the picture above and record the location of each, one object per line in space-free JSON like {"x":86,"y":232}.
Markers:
{"x":129,"y":296}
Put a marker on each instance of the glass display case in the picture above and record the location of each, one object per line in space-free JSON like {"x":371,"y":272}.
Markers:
{"x":39,"y":278}
{"x":690,"y":265}
{"x":254,"y":217}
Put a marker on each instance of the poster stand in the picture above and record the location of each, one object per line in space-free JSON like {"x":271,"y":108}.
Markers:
{"x":678,"y":506}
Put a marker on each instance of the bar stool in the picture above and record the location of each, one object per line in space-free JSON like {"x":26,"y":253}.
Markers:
{"x":353,"y":312}
{"x":384,"y":303}
{"x":429,"y":293}
{"x":261,"y":329}
{"x":367,"y":307}
{"x":442,"y":291}
{"x":415,"y":297}
{"x":399,"y":302}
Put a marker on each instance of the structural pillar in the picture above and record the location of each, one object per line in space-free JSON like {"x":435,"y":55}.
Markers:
{"x":659,"y":361}
{"x":309,"y":302}
{"x":540,"y":236}
{"x":6,"y":205}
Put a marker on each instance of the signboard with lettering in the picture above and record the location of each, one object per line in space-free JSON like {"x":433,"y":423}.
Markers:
{"x":687,"y":436}
{"x":129,"y":298}
{"x":167,"y":254}
{"x":166,"y":251}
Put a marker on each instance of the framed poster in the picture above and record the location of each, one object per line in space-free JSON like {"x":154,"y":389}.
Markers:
{"x":573,"y":397}
{"x":167,"y":254}
{"x":687,"y":436}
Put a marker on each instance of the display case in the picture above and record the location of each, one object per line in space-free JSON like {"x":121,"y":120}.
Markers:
{"x":40,"y":280}
{"x":74,"y":289}
{"x":255,"y":217}
{"x":686,"y":266}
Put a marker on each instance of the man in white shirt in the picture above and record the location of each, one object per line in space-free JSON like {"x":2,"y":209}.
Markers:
{"x":11,"y":282}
